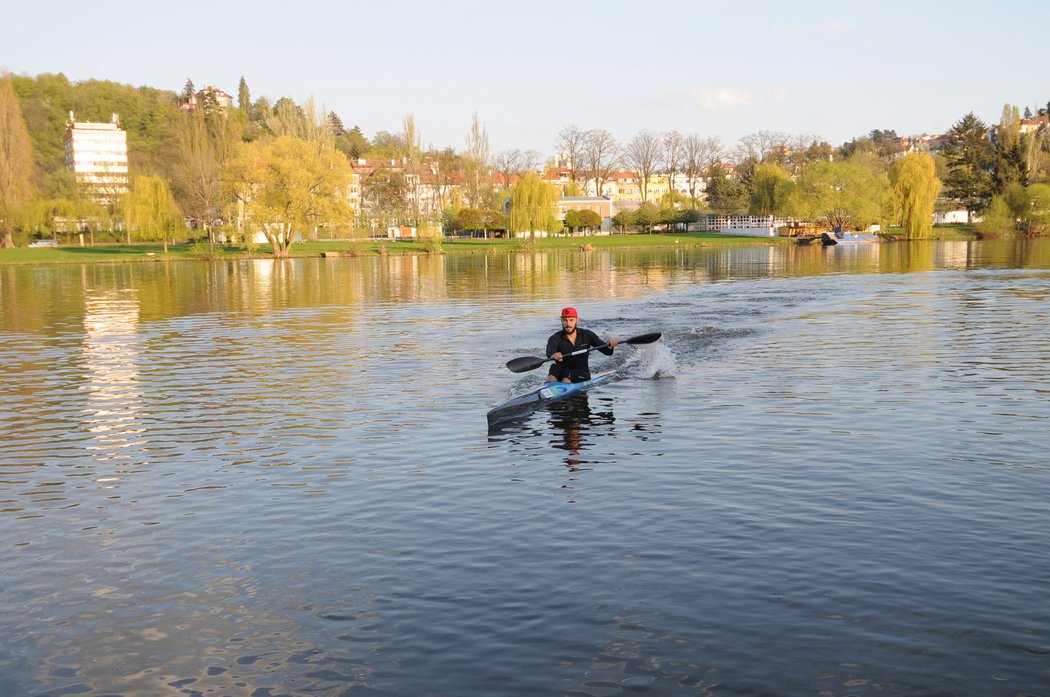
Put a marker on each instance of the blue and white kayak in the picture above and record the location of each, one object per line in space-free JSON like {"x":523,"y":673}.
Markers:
{"x":551,"y":391}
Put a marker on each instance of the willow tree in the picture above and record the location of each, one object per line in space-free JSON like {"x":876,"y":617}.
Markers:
{"x":16,"y":162}
{"x":150,"y":209}
{"x":286,"y":187}
{"x":532,"y":204}
{"x":915,"y":187}
{"x":769,"y":182}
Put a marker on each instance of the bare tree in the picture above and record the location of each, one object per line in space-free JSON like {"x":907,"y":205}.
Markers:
{"x":672,"y":156}
{"x":764,"y":146}
{"x":476,"y":159}
{"x":508,"y":163}
{"x":643,"y":155}
{"x":600,"y":155}
{"x":533,"y":159}
{"x":203,"y":143}
{"x":698,"y":154}
{"x":570,"y":145}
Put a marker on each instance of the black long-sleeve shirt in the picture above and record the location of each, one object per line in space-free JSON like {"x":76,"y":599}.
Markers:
{"x":576,"y":368}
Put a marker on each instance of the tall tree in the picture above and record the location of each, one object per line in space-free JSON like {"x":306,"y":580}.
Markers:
{"x":189,"y":90}
{"x":569,"y":146}
{"x":698,"y":155}
{"x":1010,"y":155}
{"x":915,"y":188}
{"x":600,"y":155}
{"x":287,"y":187}
{"x":244,"y":97}
{"x":16,"y":162}
{"x":642,"y":154}
{"x":531,"y":207}
{"x":476,"y":160}
{"x":336,"y":124}
{"x":970,"y":159}
{"x":202,"y":145}
{"x":672,"y":156}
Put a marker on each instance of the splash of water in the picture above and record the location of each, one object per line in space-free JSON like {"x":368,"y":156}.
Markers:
{"x":653,"y":362}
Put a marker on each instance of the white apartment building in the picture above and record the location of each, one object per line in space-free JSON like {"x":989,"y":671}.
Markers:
{"x":97,"y":154}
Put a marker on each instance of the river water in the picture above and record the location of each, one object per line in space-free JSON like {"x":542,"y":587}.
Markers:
{"x":829,"y":477}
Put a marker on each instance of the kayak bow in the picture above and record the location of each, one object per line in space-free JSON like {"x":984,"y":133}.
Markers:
{"x":550,"y":391}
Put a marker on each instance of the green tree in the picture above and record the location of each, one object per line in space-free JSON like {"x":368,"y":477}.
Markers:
{"x":970,"y":159}
{"x":1037,"y":219}
{"x":354,"y":144}
{"x":648,"y":215}
{"x":769,"y":182}
{"x":1010,"y":156}
{"x":16,"y":163}
{"x":915,"y":186}
{"x":572,"y":220}
{"x":998,"y":220}
{"x":724,"y":195}
{"x":531,"y":207}
{"x":589,"y":220}
{"x":150,"y":210}
{"x":624,"y":219}
{"x":244,"y":97}
{"x":839,"y":195}
{"x":286,"y":188}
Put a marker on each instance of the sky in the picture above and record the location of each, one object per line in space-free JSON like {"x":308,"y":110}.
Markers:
{"x":726,"y":69}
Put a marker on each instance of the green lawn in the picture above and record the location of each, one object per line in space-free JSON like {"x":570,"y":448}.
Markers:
{"x":365,"y":247}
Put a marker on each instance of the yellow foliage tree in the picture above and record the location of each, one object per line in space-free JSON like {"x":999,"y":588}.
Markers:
{"x":532,"y":204}
{"x":287,"y":187}
{"x":150,"y":209}
{"x":915,"y":188}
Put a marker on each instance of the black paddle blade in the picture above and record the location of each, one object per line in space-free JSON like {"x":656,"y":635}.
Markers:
{"x":643,"y":339}
{"x":524,"y":364}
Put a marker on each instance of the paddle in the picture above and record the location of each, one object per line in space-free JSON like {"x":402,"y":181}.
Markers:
{"x":527,"y":363}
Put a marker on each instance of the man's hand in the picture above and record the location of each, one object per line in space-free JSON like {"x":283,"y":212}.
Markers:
{"x":612,"y":343}
{"x":557,"y":357}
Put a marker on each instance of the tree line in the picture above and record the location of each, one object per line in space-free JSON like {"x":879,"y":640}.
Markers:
{"x":281,"y":168}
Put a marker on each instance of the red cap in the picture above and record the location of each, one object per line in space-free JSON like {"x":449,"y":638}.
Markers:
{"x":569,"y":312}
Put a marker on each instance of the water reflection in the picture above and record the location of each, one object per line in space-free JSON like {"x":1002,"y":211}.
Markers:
{"x":111,"y":368}
{"x":572,"y":423}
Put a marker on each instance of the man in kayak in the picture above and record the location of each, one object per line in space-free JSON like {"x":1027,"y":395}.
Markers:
{"x":572,"y":338}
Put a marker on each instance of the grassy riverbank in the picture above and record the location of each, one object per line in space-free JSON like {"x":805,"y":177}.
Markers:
{"x":116,"y":253}
{"x":154,"y":251}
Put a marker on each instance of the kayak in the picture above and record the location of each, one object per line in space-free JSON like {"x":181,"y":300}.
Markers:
{"x":551,"y":391}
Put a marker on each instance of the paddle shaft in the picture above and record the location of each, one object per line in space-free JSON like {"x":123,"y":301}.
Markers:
{"x":526,"y":363}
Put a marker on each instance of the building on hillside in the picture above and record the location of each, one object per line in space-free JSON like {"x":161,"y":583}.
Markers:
{"x":209,"y":95}
{"x":97,"y":154}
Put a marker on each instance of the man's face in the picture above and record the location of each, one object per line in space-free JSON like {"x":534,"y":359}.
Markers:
{"x":569,"y":324}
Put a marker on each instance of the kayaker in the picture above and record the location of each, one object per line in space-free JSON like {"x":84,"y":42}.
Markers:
{"x":572,"y":338}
